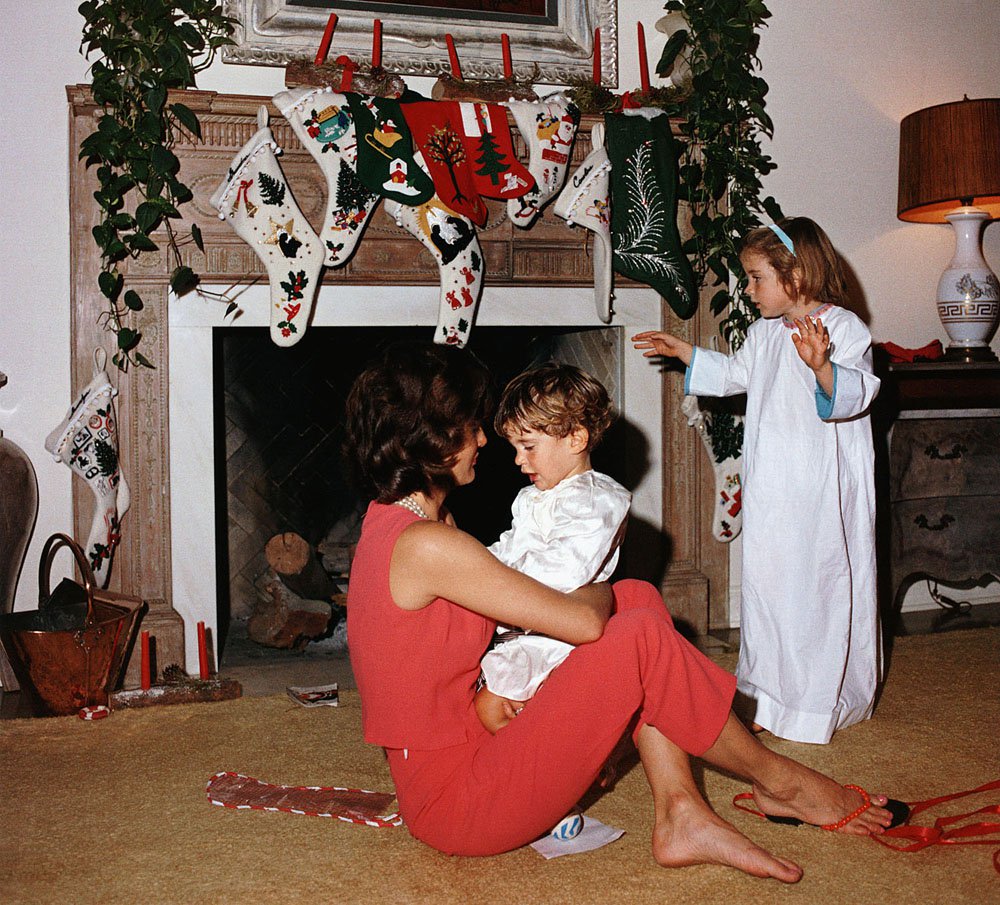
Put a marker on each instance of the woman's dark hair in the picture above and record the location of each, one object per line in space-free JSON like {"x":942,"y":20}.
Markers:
{"x":409,"y":413}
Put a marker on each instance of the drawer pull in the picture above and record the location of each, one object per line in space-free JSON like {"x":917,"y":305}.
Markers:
{"x":956,"y":452}
{"x":921,"y":522}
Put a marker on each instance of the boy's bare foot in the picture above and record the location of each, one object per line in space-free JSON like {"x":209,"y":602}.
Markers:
{"x":694,"y":834}
{"x":817,"y":799}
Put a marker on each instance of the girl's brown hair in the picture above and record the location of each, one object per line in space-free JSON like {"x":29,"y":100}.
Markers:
{"x":555,"y":399}
{"x":814,"y":271}
{"x":409,"y":414}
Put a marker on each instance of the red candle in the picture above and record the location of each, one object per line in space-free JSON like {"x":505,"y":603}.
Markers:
{"x":144,"y":637}
{"x":377,"y":45}
{"x":508,"y":66}
{"x":643,"y":63}
{"x":597,"y":56}
{"x":202,"y":652}
{"x":456,"y":69}
{"x":324,"y":45}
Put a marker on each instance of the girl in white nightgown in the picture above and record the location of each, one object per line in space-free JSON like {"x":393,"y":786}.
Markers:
{"x":810,"y":650}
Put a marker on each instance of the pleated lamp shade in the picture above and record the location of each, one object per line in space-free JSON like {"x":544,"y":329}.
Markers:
{"x":949,"y":155}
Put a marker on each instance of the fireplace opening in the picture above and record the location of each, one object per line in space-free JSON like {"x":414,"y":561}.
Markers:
{"x":278,"y":436}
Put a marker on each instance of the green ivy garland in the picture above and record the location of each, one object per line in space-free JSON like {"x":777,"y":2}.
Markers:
{"x":145,"y":48}
{"x":721,"y":164}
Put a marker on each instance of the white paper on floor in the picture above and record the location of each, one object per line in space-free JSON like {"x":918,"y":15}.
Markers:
{"x":593,"y":835}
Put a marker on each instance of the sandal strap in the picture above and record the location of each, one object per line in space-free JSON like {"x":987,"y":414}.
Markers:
{"x":866,"y":803}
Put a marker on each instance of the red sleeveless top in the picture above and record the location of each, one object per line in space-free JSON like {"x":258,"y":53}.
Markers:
{"x":416,"y":670}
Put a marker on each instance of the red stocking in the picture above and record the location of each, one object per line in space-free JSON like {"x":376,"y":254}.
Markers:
{"x":496,"y":171}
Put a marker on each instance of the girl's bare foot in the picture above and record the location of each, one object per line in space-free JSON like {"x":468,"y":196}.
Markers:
{"x":817,"y":799}
{"x":694,"y":834}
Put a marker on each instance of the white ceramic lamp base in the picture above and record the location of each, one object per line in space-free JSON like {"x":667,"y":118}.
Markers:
{"x":968,"y":295}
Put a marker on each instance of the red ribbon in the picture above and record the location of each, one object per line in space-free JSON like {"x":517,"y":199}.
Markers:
{"x":922,"y":837}
{"x":244,"y":185}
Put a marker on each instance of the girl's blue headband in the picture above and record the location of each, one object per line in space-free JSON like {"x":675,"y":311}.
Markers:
{"x":783,"y":236}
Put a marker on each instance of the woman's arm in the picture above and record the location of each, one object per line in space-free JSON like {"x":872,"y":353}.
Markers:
{"x":432,"y":560}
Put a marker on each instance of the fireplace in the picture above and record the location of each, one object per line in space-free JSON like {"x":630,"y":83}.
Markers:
{"x":539,"y":279}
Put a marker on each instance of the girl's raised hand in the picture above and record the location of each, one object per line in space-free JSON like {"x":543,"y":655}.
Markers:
{"x":812,"y":342}
{"x":655,"y":342}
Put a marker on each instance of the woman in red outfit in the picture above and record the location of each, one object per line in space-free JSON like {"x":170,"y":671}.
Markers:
{"x":423,"y":603}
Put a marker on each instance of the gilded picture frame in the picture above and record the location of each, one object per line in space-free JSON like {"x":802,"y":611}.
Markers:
{"x":554,"y":48}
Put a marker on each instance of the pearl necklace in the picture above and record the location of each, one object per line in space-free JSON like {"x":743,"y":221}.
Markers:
{"x":407,"y":502}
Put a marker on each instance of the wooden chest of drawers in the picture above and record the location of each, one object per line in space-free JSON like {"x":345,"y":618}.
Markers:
{"x":944,"y":476}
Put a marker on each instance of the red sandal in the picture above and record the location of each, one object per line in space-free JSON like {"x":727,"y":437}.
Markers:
{"x":900,"y":811}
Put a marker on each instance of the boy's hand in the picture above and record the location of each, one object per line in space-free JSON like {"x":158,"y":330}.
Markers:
{"x":655,"y":342}
{"x":812,"y":342}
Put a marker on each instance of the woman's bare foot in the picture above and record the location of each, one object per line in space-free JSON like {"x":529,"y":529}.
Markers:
{"x":694,"y":834}
{"x":817,"y":799}
{"x":756,"y":728}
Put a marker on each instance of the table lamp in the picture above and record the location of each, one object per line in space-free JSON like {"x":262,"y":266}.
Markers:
{"x":949,"y":171}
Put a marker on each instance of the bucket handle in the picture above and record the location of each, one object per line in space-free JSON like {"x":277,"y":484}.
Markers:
{"x":49,"y":551}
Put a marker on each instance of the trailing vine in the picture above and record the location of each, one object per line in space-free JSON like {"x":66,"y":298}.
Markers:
{"x":144,"y":48}
{"x":721,"y":164}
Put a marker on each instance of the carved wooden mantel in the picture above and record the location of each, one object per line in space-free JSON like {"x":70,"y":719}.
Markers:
{"x":548,"y":254}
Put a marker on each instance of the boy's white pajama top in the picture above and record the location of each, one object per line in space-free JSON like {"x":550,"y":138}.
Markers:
{"x":810,"y":651}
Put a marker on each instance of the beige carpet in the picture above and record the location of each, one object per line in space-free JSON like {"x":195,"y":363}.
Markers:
{"x":115,"y":811}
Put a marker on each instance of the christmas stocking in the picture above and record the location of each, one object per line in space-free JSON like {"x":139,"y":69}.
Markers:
{"x":548,"y":128}
{"x":385,"y":151}
{"x":258,"y":203}
{"x":496,"y":171}
{"x":87,"y":441}
{"x":440,"y":141}
{"x":451,"y":239}
{"x":647,"y":244}
{"x":722,"y":434}
{"x":586,"y":201}
{"x":322,"y":120}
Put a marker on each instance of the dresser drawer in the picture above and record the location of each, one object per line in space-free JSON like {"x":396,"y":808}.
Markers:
{"x":933,"y":457}
{"x":955,"y":539}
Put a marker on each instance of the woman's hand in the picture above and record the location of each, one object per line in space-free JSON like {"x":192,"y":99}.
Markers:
{"x":655,"y":342}
{"x":812,"y":342}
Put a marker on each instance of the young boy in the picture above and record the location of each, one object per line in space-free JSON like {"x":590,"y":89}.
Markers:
{"x":567,"y":525}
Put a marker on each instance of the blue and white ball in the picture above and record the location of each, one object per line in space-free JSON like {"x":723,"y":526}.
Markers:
{"x":568,"y":828}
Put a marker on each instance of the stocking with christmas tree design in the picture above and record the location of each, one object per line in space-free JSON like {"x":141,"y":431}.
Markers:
{"x":496,"y":171}
{"x":722,"y":434}
{"x":385,"y":151}
{"x":87,"y":441}
{"x":647,"y":244}
{"x":548,"y":128}
{"x":452,"y":240}
{"x":257,"y":202}
{"x":321,"y":118}
{"x":439,"y":139}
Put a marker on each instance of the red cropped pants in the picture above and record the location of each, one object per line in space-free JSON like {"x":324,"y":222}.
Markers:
{"x":499,"y":792}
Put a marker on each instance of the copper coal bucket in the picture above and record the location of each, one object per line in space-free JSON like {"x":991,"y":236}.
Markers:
{"x":71,"y":651}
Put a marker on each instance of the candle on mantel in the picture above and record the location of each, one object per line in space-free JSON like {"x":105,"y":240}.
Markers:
{"x":456,"y":69}
{"x":597,"y":56}
{"x":202,"y":653}
{"x":144,"y":654}
{"x":643,"y":62}
{"x":324,"y":44}
{"x":508,"y":66}
{"x":377,"y":44}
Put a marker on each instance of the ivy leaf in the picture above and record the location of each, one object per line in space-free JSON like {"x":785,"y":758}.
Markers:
{"x":145,"y":362}
{"x":670,"y":50}
{"x":141,"y":242}
{"x":187,"y":118}
{"x":110,"y":283}
{"x":196,"y":235}
{"x":133,"y":301}
{"x":147,"y":216}
{"x":128,"y":338}
{"x":183,"y":280}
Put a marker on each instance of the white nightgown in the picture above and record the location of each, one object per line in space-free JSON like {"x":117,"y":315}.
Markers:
{"x":565,"y":537}
{"x":810,"y":651}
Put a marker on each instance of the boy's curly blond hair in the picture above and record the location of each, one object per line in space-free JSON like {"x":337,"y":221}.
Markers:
{"x":555,"y":399}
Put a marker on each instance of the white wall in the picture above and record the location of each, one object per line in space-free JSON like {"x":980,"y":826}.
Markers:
{"x":841,"y":75}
